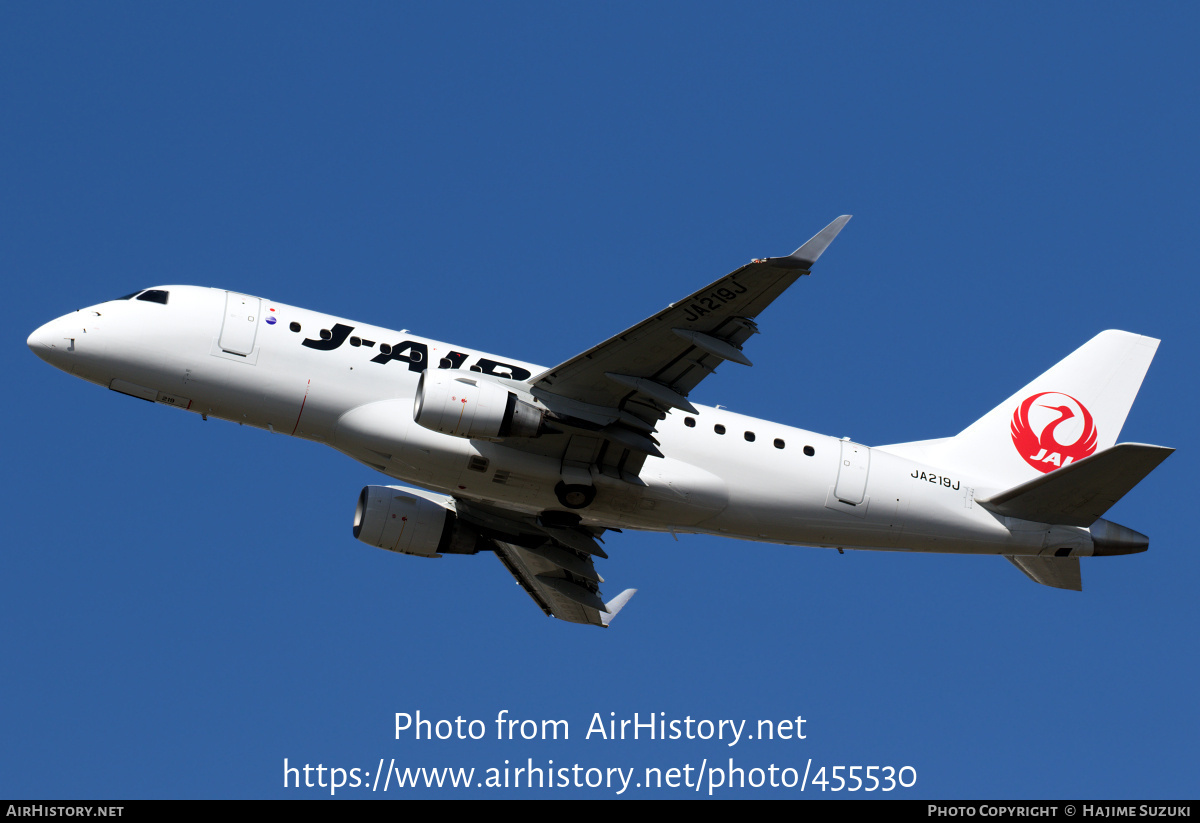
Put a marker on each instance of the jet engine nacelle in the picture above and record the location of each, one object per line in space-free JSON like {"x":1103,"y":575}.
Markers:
{"x":395,"y":519}
{"x":470,"y":405}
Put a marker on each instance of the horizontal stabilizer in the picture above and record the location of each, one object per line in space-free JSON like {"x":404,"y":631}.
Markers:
{"x":1059,"y":572}
{"x":1081,"y":492}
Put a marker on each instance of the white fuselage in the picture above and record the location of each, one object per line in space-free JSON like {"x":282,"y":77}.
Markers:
{"x":757,"y":480}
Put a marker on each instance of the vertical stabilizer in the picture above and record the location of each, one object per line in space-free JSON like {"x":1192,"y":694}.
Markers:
{"x":1074,"y":410}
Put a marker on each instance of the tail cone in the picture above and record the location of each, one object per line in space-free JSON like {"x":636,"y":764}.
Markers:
{"x":1110,"y":538}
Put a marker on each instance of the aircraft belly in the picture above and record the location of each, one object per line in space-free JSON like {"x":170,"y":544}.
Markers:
{"x":680,"y":494}
{"x":928,"y":511}
{"x":179,"y":377}
{"x":900,"y":508}
{"x":383,"y":435}
{"x":275,"y":400}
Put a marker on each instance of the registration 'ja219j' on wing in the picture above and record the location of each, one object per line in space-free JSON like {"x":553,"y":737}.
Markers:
{"x":536,"y":464}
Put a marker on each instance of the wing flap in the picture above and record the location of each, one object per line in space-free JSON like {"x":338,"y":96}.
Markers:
{"x":653,"y":351}
{"x":552,"y":563}
{"x":567,"y":560}
{"x":547,"y":583}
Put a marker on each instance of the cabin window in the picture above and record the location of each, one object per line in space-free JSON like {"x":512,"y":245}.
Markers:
{"x":810,"y":451}
{"x":719,"y":429}
{"x":294,"y":326}
{"x":690,"y":422}
{"x":355,"y":341}
{"x":385,"y":348}
{"x":749,"y":437}
{"x":779,"y":444}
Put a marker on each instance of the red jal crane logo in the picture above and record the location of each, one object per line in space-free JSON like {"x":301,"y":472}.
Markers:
{"x":1041,"y":440}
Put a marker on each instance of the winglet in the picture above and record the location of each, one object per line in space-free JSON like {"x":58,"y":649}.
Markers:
{"x":807,"y":254}
{"x":615,"y":605}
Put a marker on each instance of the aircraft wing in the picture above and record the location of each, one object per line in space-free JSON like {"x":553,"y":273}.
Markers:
{"x":605,"y":403}
{"x":552,"y":562}
{"x":650,"y":368}
{"x":559,"y":592}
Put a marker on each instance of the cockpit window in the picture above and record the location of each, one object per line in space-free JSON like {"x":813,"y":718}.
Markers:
{"x":129,"y":296}
{"x":154,"y":296}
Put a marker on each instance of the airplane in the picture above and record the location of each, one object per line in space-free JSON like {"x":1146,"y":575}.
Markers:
{"x":536,"y":464}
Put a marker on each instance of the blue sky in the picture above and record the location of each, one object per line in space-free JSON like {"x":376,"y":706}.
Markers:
{"x":183,"y":604}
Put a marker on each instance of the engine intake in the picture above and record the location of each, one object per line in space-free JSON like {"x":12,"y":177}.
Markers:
{"x":471,"y":406}
{"x":392,"y":518}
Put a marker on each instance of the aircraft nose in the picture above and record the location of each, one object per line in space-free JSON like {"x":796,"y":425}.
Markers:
{"x":39,"y":341}
{"x":52,"y":341}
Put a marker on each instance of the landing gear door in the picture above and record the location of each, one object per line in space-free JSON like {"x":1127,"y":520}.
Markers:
{"x":240,"y":323}
{"x":852,"y":473}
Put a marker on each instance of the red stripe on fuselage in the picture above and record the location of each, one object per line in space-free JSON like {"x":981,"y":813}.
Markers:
{"x":302,"y":402}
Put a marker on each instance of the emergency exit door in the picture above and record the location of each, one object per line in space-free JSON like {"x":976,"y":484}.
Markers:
{"x":240,"y":324}
{"x":852,"y":473}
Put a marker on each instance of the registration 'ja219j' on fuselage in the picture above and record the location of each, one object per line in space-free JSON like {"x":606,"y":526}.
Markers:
{"x":535,"y":464}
